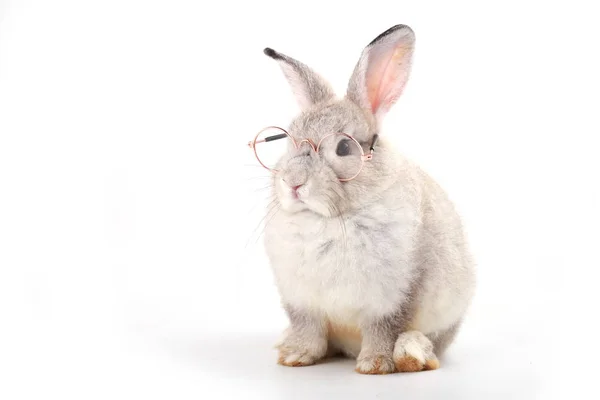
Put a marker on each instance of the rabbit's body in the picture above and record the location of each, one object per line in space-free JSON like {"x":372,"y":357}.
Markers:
{"x":404,"y":252}
{"x":373,"y":263}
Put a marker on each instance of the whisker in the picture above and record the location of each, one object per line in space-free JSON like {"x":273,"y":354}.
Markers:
{"x":268,"y":222}
{"x":270,"y":207}
{"x":270,"y":196}
{"x":263,"y":188}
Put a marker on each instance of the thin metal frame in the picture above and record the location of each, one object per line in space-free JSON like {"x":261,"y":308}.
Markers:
{"x":363,"y":157}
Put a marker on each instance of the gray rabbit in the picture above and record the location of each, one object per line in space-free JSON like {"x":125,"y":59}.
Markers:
{"x":368,"y":252}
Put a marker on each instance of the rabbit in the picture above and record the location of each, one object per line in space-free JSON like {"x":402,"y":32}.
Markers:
{"x":376,"y":268}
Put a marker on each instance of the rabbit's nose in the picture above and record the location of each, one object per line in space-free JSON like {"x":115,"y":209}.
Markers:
{"x":295,"y":190}
{"x":294,"y":181}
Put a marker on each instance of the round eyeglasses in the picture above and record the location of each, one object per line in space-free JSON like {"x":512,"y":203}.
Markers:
{"x":343,"y":152}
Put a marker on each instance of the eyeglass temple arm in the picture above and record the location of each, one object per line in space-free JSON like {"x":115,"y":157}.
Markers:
{"x":369,"y":156}
{"x":268,"y":139}
{"x":374,"y":142}
{"x":283,"y":135}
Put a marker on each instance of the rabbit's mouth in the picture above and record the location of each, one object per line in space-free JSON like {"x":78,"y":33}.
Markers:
{"x":311,"y":204}
{"x":311,"y":195}
{"x":293,"y":200}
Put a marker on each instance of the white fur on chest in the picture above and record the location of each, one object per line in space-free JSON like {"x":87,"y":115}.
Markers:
{"x":346,"y":273}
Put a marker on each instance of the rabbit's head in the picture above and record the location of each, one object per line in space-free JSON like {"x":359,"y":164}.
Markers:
{"x":327,"y":167}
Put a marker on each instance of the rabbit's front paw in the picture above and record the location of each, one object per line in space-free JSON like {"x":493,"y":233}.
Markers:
{"x":298,"y":352}
{"x":375,"y":364}
{"x":298,"y":358}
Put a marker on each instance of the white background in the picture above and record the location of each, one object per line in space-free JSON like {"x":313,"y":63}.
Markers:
{"x":131,"y":264}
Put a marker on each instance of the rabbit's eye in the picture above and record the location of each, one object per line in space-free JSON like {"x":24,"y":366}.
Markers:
{"x":343,"y":148}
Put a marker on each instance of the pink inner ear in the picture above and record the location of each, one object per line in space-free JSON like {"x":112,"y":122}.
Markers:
{"x":387,"y":74}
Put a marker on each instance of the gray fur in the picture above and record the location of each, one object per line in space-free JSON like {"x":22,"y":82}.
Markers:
{"x":306,"y":338}
{"x":307,"y":85}
{"x":326,"y":247}
{"x":383,"y":254}
{"x":441,"y":340}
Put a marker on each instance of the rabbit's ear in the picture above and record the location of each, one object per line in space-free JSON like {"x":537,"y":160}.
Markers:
{"x":308,"y":87}
{"x":382,"y":71}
